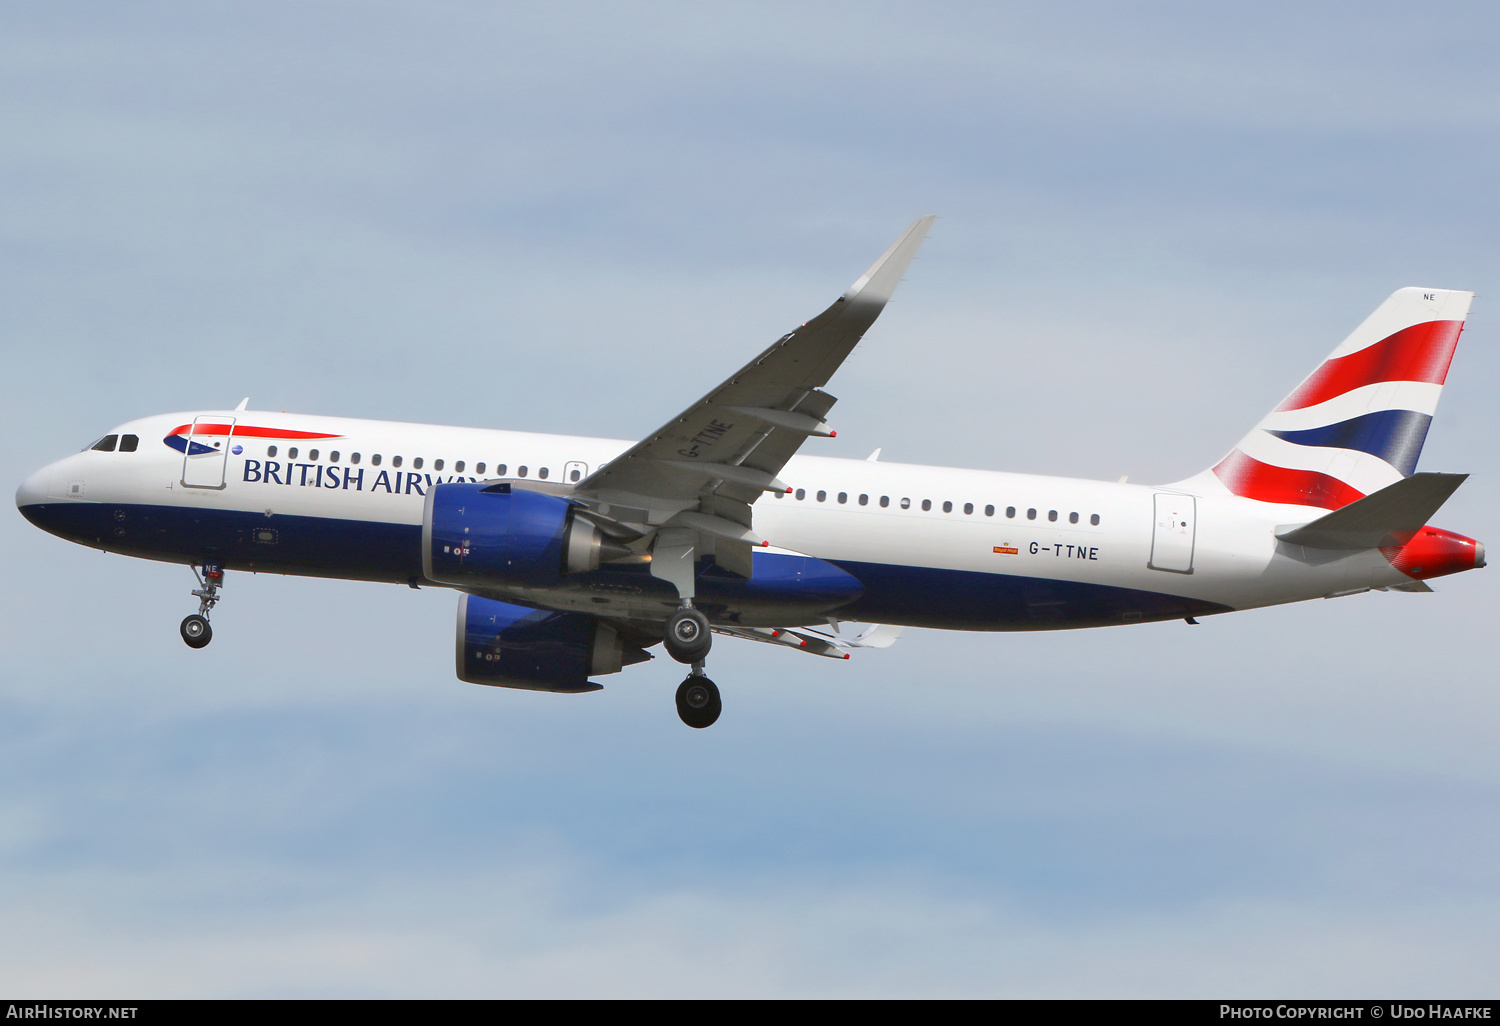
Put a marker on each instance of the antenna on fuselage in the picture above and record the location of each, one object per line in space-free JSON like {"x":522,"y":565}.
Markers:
{"x":243,"y":403}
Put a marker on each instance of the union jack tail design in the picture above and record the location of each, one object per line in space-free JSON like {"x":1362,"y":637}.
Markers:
{"x":1358,"y":422}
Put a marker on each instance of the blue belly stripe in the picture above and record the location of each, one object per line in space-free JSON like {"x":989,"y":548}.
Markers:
{"x":370,"y":551}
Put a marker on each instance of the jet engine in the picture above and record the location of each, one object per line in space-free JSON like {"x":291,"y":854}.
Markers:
{"x":477,"y":536}
{"x":511,"y":646}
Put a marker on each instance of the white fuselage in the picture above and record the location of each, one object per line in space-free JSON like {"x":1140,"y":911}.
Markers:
{"x":854,"y":513}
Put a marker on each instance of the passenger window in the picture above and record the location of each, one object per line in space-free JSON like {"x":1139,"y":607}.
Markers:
{"x":128,"y":443}
{"x":947,"y":506}
{"x":106,"y":444}
{"x":1094,"y":520}
{"x":291,"y":453}
{"x":968,"y":507}
{"x":779,"y":494}
{"x":520,"y":471}
{"x":864,"y":500}
{"x":500,"y":470}
{"x":312,"y":454}
{"x":270,"y":451}
{"x":354,"y":458}
{"x":822,"y":495}
{"x":542,"y":473}
{"x":437,"y":464}
{"x":575,"y":475}
{"x":395,"y":461}
{"x":333,"y":457}
{"x":905,"y":502}
{"x":989,"y":511}
{"x":1072,"y":518}
{"x":458,"y":468}
{"x":479,"y":468}
{"x":885,"y":500}
{"x":801,"y":493}
{"x":843,"y":497}
{"x":416,"y":464}
{"x":1031,"y":514}
{"x":1052,"y":515}
{"x":926,"y":505}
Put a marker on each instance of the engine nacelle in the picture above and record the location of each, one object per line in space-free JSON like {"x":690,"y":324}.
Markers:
{"x":479,"y":536}
{"x":508,"y":646}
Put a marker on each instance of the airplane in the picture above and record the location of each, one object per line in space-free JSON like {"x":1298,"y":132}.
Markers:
{"x":573,"y":556}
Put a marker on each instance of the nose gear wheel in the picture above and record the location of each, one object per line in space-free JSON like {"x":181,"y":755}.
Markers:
{"x":196,"y":631}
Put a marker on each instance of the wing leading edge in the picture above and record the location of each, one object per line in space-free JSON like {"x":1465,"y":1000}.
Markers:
{"x":695,"y":478}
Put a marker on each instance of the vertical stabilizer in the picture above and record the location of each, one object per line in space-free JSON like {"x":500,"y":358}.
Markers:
{"x":1358,"y":422}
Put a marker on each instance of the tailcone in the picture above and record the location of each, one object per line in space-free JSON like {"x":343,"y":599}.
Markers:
{"x":1434,"y":552}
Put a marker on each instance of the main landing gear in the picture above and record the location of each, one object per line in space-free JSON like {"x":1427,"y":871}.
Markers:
{"x":688,"y":636}
{"x":688,"y":639}
{"x":698,"y":700}
{"x":195,"y":629}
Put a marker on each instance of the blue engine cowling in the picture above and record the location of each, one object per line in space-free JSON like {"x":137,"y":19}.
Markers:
{"x":509,"y":646}
{"x":477,"y":536}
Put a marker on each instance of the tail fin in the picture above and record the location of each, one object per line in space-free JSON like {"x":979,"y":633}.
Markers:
{"x":1358,"y":422}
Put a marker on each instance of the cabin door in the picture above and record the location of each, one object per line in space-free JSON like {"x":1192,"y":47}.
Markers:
{"x":1174,"y":533}
{"x":207,"y":452}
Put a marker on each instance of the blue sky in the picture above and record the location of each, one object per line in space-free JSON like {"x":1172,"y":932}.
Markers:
{"x":576,"y":218}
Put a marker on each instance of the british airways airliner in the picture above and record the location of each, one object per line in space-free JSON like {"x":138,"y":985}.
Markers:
{"x":574,"y":556}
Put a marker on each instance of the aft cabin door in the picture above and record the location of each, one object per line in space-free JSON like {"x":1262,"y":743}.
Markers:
{"x":207,"y":452}
{"x":1174,"y":533}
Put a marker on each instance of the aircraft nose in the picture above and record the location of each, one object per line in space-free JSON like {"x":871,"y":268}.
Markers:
{"x":33,"y":490}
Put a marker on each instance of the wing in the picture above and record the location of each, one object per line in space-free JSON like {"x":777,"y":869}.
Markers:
{"x":695,"y":478}
{"x":815,"y":642}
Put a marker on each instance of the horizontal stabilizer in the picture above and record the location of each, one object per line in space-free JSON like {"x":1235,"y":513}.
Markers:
{"x":1416,"y":587}
{"x":1390,"y":516}
{"x":799,"y":640}
{"x":875,"y":635}
{"x":815,"y":642}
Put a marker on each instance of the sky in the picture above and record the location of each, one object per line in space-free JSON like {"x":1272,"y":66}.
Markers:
{"x":1154,"y":220}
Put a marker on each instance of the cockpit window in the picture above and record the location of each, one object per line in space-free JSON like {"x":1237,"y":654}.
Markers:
{"x":105,"y":444}
{"x":128,"y":443}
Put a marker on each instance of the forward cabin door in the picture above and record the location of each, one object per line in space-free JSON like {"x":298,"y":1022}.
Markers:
{"x":1174,"y":533}
{"x":207,"y":452}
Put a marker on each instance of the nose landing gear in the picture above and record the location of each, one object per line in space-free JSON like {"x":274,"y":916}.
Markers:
{"x":195,"y":629}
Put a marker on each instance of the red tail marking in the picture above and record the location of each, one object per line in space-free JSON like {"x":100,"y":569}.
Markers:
{"x":1249,"y":477}
{"x":1421,"y":352}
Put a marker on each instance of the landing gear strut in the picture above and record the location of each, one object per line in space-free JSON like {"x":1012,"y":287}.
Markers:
{"x":698,"y":700}
{"x":195,"y":629}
